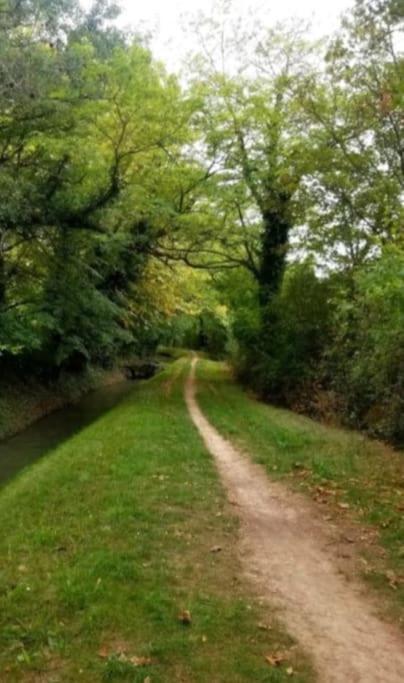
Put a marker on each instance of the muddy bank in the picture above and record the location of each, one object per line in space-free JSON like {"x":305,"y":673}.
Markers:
{"x":50,"y":431}
{"x":23,"y":402}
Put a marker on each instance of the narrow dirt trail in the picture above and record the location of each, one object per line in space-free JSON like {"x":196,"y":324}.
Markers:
{"x":286,"y":553}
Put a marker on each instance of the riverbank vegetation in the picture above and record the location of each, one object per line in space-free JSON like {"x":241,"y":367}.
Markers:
{"x":251,"y":207}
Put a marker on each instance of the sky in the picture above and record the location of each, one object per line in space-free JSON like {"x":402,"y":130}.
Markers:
{"x":166,"y":19}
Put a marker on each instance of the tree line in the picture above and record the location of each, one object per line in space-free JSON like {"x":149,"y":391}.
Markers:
{"x":255,"y":203}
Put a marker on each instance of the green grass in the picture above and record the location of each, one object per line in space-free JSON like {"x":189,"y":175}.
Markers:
{"x":108,"y":538}
{"x":358,"y":472}
{"x":173,"y":352}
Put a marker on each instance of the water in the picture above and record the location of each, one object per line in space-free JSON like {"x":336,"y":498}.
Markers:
{"x":34,"y":442}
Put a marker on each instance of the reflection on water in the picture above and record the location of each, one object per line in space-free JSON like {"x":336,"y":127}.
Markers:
{"x":31,"y":444}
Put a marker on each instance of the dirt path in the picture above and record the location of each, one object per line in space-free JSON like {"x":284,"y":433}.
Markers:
{"x":286,"y":553}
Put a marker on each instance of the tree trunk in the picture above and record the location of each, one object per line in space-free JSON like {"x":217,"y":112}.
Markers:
{"x":273,"y":253}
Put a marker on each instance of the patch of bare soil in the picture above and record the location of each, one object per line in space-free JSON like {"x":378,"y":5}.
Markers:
{"x":289,"y":554}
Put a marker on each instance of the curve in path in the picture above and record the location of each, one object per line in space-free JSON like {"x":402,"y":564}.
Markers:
{"x":285,"y":554}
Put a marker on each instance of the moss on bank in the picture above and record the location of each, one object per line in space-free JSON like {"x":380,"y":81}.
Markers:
{"x":22,"y":402}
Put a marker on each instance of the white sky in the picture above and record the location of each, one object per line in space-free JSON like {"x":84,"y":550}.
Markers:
{"x":166,"y":19}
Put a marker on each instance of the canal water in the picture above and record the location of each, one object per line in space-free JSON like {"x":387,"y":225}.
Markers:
{"x":34,"y":442}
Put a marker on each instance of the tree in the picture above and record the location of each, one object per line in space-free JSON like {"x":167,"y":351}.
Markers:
{"x":354,"y":111}
{"x":88,"y":126}
{"x":254,"y":140}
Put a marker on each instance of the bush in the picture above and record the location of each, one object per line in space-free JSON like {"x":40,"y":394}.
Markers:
{"x":366,"y":358}
{"x":283,"y":353}
{"x":343,"y":335}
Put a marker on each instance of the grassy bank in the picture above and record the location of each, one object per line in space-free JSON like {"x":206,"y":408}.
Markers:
{"x":24,"y":402}
{"x":109,"y":539}
{"x":350,"y":475}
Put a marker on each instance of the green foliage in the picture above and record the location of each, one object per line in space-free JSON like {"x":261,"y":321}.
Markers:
{"x":88,"y":128}
{"x":213,"y":334}
{"x":319,"y":328}
{"x":251,"y":126}
{"x":110,"y":172}
{"x":284,"y":356}
{"x":300,"y":330}
{"x":334,"y":334}
{"x":206,"y":331}
{"x":367,"y":353}
{"x":354,"y":116}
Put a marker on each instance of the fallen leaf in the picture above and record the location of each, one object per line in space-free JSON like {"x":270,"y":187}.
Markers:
{"x":344,"y":506}
{"x":103,"y":652}
{"x":290,"y":671}
{"x":303,"y":472}
{"x":118,"y":648}
{"x":185,"y":617}
{"x":392,"y":579}
{"x":276,"y":659}
{"x":140,"y":661}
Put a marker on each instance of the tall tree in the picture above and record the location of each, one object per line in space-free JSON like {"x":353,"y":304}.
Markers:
{"x":254,"y":137}
{"x":357,"y":132}
{"x":88,"y":127}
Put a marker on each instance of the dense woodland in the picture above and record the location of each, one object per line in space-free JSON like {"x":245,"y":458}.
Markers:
{"x":252,"y":206}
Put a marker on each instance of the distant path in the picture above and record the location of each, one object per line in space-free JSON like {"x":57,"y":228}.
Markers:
{"x":285,"y":554}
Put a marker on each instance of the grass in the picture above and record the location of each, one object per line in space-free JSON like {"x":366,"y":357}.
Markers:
{"x":107,"y":539}
{"x":173,"y":352}
{"x":332,"y":464}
